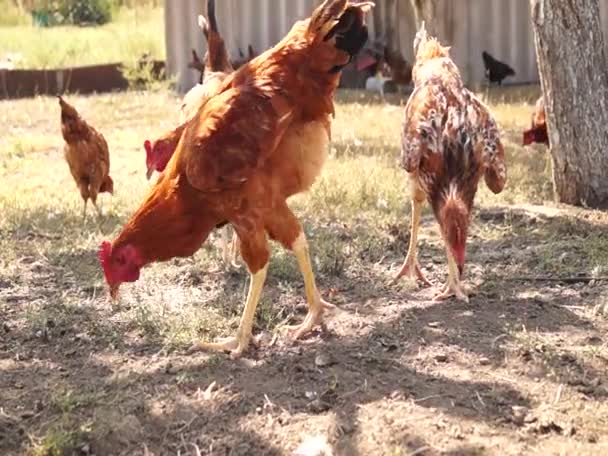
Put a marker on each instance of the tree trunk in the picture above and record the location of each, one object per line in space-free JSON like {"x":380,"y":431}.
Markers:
{"x":574,"y":78}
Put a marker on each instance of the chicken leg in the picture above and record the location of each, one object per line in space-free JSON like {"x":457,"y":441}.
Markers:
{"x":410,"y":267}
{"x":229,"y":248}
{"x":96,"y":208}
{"x":238,"y":344}
{"x":453,"y":287}
{"x":316,"y":305}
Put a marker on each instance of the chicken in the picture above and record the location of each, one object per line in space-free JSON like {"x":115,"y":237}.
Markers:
{"x":496,"y":71}
{"x":537,"y":133}
{"x":198,"y":64}
{"x":262,"y":139}
{"x":216,"y":67}
{"x":400,"y":69}
{"x":449,"y":140}
{"x":242,"y":60}
{"x":86,"y":152}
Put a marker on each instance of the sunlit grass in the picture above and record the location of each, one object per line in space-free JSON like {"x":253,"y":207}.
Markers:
{"x":132,"y":33}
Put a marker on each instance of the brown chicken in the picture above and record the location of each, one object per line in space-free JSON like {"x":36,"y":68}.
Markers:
{"x":216,"y":67}
{"x":537,"y":133}
{"x":86,"y":152}
{"x":262,"y":139}
{"x":449,"y":141}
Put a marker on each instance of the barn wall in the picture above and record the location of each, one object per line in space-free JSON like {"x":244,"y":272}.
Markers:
{"x":501,"y":27}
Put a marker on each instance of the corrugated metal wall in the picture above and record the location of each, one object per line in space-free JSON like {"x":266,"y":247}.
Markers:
{"x":501,"y":27}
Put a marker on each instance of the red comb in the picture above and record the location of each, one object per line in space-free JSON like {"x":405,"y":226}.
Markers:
{"x":148,"y":146}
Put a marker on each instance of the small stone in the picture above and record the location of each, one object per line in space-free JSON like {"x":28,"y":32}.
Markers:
{"x":592,"y":438}
{"x":27,"y":414}
{"x":323,"y":360}
{"x":519,"y":414}
{"x":441,"y":358}
{"x":484,"y":361}
{"x":434,"y":324}
{"x":319,"y":406}
{"x":170,"y":368}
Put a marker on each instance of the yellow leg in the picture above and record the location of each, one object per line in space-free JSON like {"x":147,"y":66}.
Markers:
{"x":316,"y":305}
{"x":96,"y":208}
{"x":234,"y":250}
{"x":410,"y":267}
{"x":229,"y":248}
{"x":238,"y":344}
{"x":224,"y":242}
{"x":454,"y":286}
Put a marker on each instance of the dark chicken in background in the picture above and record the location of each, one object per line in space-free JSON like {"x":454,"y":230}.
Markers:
{"x":496,"y":71}
{"x":262,"y":139}
{"x":537,"y":133}
{"x":86,"y":152}
{"x":449,"y":141}
{"x":400,"y":69}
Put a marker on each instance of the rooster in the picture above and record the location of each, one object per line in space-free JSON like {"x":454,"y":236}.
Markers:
{"x":262,"y":139}
{"x":86,"y":152}
{"x":537,"y":133}
{"x":216,"y":67}
{"x":496,"y":70}
{"x":449,"y":140}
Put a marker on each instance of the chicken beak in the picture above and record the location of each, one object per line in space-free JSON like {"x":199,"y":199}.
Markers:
{"x":149,"y":173}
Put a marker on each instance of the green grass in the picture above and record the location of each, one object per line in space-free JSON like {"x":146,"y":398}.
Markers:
{"x":132,"y":33}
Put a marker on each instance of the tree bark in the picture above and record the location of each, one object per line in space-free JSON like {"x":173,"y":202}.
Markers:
{"x":574,"y":77}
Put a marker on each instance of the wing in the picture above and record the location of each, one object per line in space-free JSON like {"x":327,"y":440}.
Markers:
{"x":198,"y":95}
{"x":423,"y":116}
{"x":493,"y":156}
{"x":232,"y":136}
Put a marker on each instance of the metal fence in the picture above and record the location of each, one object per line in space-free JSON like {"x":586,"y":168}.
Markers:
{"x":501,"y":27}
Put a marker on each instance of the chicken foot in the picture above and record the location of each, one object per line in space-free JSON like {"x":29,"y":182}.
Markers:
{"x":316,"y":305}
{"x":238,"y":344}
{"x":453,"y":287}
{"x":410,"y":267}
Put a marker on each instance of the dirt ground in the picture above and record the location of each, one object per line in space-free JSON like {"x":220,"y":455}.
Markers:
{"x":521,"y":369}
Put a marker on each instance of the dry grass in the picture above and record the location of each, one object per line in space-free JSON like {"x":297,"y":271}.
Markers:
{"x":530,"y":338}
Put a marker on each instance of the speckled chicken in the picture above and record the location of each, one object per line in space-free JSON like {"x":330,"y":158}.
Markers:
{"x":449,"y":141}
{"x":87,"y":154}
